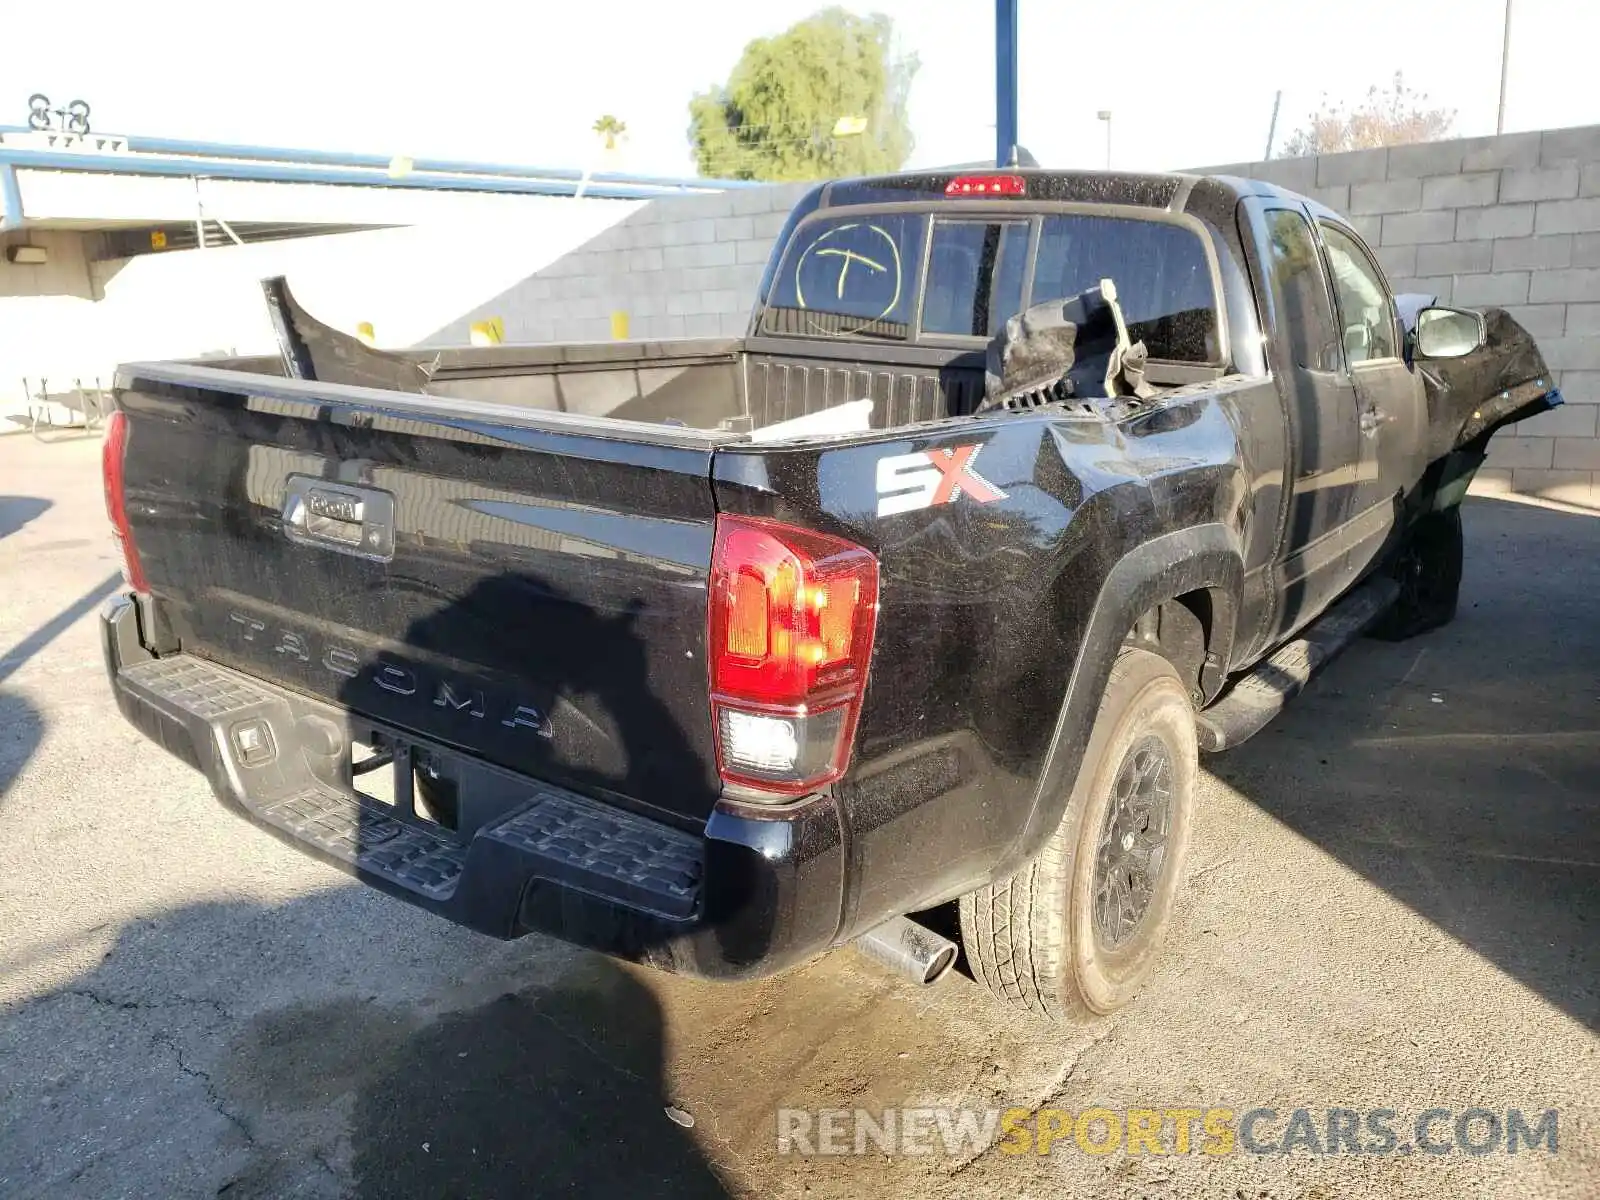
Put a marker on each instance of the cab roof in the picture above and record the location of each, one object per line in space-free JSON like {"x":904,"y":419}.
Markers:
{"x":1212,"y":198}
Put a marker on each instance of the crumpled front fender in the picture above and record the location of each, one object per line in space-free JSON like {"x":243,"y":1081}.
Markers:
{"x":1504,"y":380}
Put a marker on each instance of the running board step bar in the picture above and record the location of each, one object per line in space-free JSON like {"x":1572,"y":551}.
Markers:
{"x":1246,"y":708}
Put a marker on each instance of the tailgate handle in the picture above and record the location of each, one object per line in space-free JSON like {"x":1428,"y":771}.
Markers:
{"x":339,"y":516}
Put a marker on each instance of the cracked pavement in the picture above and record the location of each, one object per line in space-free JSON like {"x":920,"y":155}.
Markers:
{"x":1392,"y":901}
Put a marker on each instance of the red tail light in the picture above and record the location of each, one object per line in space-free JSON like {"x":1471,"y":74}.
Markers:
{"x":792,"y":618}
{"x":986,"y":185}
{"x":112,"y":455}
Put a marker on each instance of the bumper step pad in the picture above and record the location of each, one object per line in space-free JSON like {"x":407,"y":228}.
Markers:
{"x":360,"y":833}
{"x":608,"y":851}
{"x":195,"y":686}
{"x":555,"y":835}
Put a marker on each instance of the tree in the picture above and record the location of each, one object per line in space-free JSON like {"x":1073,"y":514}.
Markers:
{"x":1392,"y":116}
{"x":609,"y":130}
{"x":827,"y":97}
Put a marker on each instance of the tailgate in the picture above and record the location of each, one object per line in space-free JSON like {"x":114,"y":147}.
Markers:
{"x":527,"y":587}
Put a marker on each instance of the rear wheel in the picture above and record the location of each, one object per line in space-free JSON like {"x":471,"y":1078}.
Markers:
{"x":1076,"y":932}
{"x":1427,"y":566}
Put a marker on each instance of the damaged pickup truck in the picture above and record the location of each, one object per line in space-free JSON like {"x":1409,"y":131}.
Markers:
{"x":1023,"y":489}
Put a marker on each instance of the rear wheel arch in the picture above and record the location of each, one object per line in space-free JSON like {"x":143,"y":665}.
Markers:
{"x":1077,"y":930}
{"x":1194,"y":632}
{"x":1172,"y":568}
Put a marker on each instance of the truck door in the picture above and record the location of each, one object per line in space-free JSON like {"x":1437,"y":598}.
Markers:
{"x":1392,"y":410}
{"x":1313,"y":561}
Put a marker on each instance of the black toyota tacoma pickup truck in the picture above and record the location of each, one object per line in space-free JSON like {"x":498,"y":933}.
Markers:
{"x":1023,"y":488}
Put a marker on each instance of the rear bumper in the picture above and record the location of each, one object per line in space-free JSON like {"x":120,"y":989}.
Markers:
{"x":746,"y":898}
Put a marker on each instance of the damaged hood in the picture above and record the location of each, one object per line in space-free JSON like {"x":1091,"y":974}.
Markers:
{"x":1504,"y":380}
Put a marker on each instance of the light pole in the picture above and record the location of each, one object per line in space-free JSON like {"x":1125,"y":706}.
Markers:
{"x":1505,"y":61}
{"x":1105,"y":115}
{"x":1005,"y":82}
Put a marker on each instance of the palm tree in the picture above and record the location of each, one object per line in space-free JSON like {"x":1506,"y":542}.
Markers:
{"x":610,"y":129}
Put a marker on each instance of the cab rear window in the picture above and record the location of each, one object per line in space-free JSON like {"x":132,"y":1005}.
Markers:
{"x":975,"y":272}
{"x":849,"y":277}
{"x":1161,"y":271}
{"x":877,"y":276}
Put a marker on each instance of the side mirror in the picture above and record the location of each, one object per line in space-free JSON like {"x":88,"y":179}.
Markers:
{"x":1449,"y":332}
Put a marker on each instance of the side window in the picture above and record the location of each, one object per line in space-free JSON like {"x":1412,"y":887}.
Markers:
{"x":974,"y":277}
{"x":1366,"y":314}
{"x":1299,"y":292}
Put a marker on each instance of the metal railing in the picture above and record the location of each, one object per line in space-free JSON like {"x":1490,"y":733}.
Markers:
{"x":88,"y":406}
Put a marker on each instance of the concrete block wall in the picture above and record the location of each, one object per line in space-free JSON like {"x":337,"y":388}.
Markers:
{"x":77,"y":318}
{"x":686,"y":266}
{"x":66,"y":273}
{"x":1512,"y":221}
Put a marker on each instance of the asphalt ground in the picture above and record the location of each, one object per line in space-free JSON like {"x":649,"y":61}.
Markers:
{"x":1393,"y":903}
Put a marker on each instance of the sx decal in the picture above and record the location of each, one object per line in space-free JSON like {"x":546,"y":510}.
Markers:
{"x":929,"y":477}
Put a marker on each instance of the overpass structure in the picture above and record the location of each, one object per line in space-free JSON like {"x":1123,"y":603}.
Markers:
{"x":111,"y":197}
{"x":115,"y":247}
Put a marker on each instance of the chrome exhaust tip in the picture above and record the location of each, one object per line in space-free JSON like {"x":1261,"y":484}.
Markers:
{"x":913,"y":950}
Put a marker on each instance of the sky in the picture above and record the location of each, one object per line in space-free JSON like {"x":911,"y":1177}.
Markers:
{"x":1188,"y":82}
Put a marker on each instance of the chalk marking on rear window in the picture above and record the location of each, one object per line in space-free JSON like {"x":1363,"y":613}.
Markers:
{"x":847,"y":258}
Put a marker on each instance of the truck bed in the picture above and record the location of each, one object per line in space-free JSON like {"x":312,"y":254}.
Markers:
{"x":728,"y":383}
{"x":734,"y":384}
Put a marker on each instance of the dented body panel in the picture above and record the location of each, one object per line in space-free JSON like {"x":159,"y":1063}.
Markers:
{"x":536,"y":601}
{"x":1469,"y":398}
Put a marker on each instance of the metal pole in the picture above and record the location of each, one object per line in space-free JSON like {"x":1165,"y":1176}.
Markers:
{"x":1005,"y":82}
{"x":199,"y":217}
{"x":1505,"y":61}
{"x":1272,"y":129}
{"x":1105,"y":115}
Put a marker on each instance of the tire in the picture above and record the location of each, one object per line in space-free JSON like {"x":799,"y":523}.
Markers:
{"x":1039,"y":940}
{"x":1427,"y":566}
